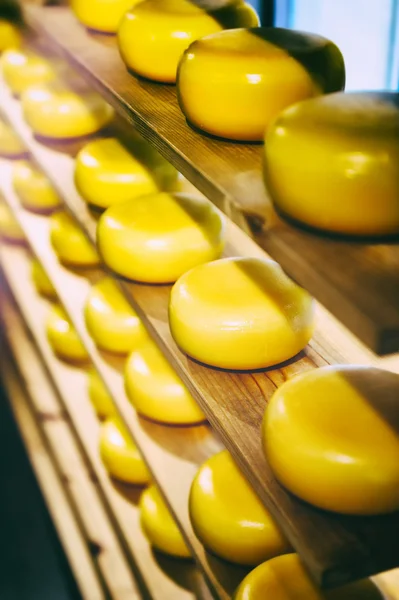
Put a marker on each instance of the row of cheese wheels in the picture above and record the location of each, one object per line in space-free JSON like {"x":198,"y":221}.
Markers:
{"x":348,"y":144}
{"x":245,"y":532}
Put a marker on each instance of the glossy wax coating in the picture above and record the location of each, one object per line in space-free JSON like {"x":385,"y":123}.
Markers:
{"x":99,"y":396}
{"x":101,"y":15}
{"x":154,"y":34}
{"x":232,"y":84}
{"x":41,"y":281}
{"x":120,"y":455}
{"x":109,"y":173}
{"x":330,"y":436}
{"x":23,"y":68}
{"x":55,"y":111}
{"x":240,"y":313}
{"x":110,"y":320}
{"x":70,"y":243}
{"x":9,"y":35}
{"x":155,"y":390}
{"x":154,"y":239}
{"x":228,"y":517}
{"x":33,"y":188}
{"x":10,"y":144}
{"x":159,"y":526}
{"x":342,"y":154}
{"x":9,"y":227}
{"x":63,"y":337}
{"x":284,"y":578}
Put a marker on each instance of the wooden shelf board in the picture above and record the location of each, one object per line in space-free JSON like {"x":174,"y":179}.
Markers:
{"x":357,"y":282}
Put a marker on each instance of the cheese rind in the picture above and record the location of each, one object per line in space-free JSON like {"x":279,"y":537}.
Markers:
{"x":10,"y":36}
{"x":33,"y":188}
{"x":101,"y":15}
{"x":41,"y":281}
{"x":10,"y":144}
{"x":70,"y":243}
{"x":62,"y":336}
{"x":23,"y":68}
{"x":99,"y":396}
{"x":10,"y":229}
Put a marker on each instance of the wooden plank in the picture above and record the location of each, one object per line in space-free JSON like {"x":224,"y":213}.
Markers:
{"x":60,"y":511}
{"x":357,"y":282}
{"x":163,"y":578}
{"x":75,"y":474}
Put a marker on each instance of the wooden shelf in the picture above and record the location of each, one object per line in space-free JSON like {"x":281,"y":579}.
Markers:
{"x":357,"y":282}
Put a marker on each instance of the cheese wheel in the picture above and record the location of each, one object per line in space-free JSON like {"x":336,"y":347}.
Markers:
{"x":101,"y":15}
{"x":240,"y":313}
{"x":232,"y":84}
{"x":62,"y":336}
{"x":70,"y":243}
{"x":120,"y":455}
{"x":154,"y":239}
{"x":23,"y":68}
{"x":228,"y":517}
{"x":10,"y":229}
{"x":111,"y":321}
{"x":330,"y":437}
{"x":159,"y":526}
{"x":54,"y":111}
{"x":10,"y":144}
{"x":99,"y":396}
{"x":41,"y":281}
{"x":284,"y":578}
{"x":33,"y":188}
{"x":156,"y":391}
{"x":153,"y":35}
{"x":9,"y":35}
{"x":341,"y":152}
{"x":107,"y":173}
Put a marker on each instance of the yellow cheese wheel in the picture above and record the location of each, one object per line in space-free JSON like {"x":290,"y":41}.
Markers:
{"x":63,"y":337}
{"x":228,"y":517}
{"x":107,"y":173}
{"x":70,"y":243}
{"x":101,"y":15}
{"x":9,"y":35}
{"x":99,"y":396}
{"x":10,"y":144}
{"x":154,"y":239}
{"x":284,"y":578}
{"x":9,"y":228}
{"x":120,"y":455}
{"x":232,"y":84}
{"x":328,"y":439}
{"x":240,"y":313}
{"x":155,"y":390}
{"x":153,"y":35}
{"x":111,"y":321}
{"x":33,"y":188}
{"x":41,"y":281}
{"x":159,"y":526}
{"x":54,"y":111}
{"x":342,"y":154}
{"x":23,"y":68}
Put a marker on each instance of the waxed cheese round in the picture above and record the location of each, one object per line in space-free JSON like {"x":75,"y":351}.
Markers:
{"x":120,"y":455}
{"x":23,"y":68}
{"x":159,"y":526}
{"x":228,"y":517}
{"x":330,"y":438}
{"x":63,"y":337}
{"x":153,"y":35}
{"x":101,"y":15}
{"x":240,"y":313}
{"x":342,"y":154}
{"x":110,"y":320}
{"x":284,"y":578}
{"x":154,"y":239}
{"x":10,"y":36}
{"x":10,"y":144}
{"x":232,"y":84}
{"x":99,"y":396}
{"x":10,"y":229}
{"x":55,"y":111}
{"x":155,"y":390}
{"x":108,"y":173}
{"x":33,"y":188}
{"x":41,"y":281}
{"x":70,"y":243}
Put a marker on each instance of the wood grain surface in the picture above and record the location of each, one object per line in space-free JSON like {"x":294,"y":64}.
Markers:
{"x":357,"y":282}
